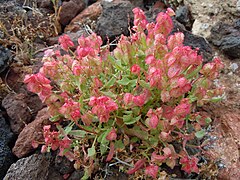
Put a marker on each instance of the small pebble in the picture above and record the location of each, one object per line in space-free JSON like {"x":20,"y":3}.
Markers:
{"x":234,"y":66}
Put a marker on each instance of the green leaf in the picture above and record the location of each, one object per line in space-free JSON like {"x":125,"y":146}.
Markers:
{"x":194,"y":73}
{"x":200,"y":134}
{"x":103,"y":141}
{"x":55,"y":118}
{"x":129,"y":119}
{"x":208,"y":120}
{"x":86,"y":175}
{"x":124,"y":81}
{"x":127,"y":112}
{"x":110,"y":83}
{"x":104,"y":147}
{"x":91,"y":151}
{"x":144,"y":84}
{"x":119,"y":144}
{"x":153,"y":141}
{"x":109,"y":94}
{"x":68,"y":129}
{"x":78,"y":133}
{"x":133,"y":83}
{"x":192,"y":98}
{"x":116,"y":63}
{"x":216,"y":99}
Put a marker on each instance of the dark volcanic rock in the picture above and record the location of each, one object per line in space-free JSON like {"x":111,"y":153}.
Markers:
{"x":227,"y":38}
{"x":32,"y":167}
{"x":230,"y":45}
{"x":5,"y":133}
{"x":69,"y":10}
{"x":5,"y":58}
{"x":114,"y":19}
{"x":6,"y":156}
{"x":63,"y":165}
{"x":76,"y":175}
{"x":183,"y":16}
{"x":17,"y":110}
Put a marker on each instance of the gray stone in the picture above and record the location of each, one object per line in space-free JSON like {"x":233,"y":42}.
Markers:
{"x":5,"y":58}
{"x":114,"y":19}
{"x":32,"y":167}
{"x":63,"y":165}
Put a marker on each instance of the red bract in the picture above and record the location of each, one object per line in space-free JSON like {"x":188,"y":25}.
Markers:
{"x":65,"y":42}
{"x":141,"y":99}
{"x":150,"y":60}
{"x":135,"y":69}
{"x":183,"y":109}
{"x":138,"y":165}
{"x":102,"y":107}
{"x":170,"y":12}
{"x":189,"y":164}
{"x":175,"y":40}
{"x":157,"y":158}
{"x":112,"y":135}
{"x":51,"y":138}
{"x":50,"y":68}
{"x":39,"y":84}
{"x":152,"y":170}
{"x":63,"y":145}
{"x":128,"y":98}
{"x":82,"y":52}
{"x":164,"y":24}
{"x":70,"y":110}
{"x":111,"y":152}
{"x":140,"y":21}
{"x":154,"y":116}
{"x":165,"y":96}
{"x":155,"y":77}
{"x":211,"y":70}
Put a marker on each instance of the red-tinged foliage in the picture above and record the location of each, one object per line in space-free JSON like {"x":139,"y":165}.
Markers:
{"x":132,"y":103}
{"x":65,"y":42}
{"x":138,"y":165}
{"x":112,"y":135}
{"x":189,"y":164}
{"x":111,"y":152}
{"x":152,"y":170}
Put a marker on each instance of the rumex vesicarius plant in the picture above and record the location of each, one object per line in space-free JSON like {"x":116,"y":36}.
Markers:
{"x":135,"y":105}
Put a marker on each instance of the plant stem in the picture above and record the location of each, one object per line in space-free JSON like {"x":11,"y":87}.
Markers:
{"x":82,"y":128}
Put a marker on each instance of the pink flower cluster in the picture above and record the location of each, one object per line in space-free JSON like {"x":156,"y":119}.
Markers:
{"x":52,"y":140}
{"x":189,"y":164}
{"x":88,"y":46}
{"x":70,"y":110}
{"x":39,"y":84}
{"x":211,"y":69}
{"x":138,"y":100}
{"x":102,"y":107}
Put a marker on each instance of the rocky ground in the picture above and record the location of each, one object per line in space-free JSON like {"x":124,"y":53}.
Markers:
{"x":34,"y":25}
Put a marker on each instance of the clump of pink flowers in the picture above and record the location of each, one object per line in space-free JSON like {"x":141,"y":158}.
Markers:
{"x":135,"y":104}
